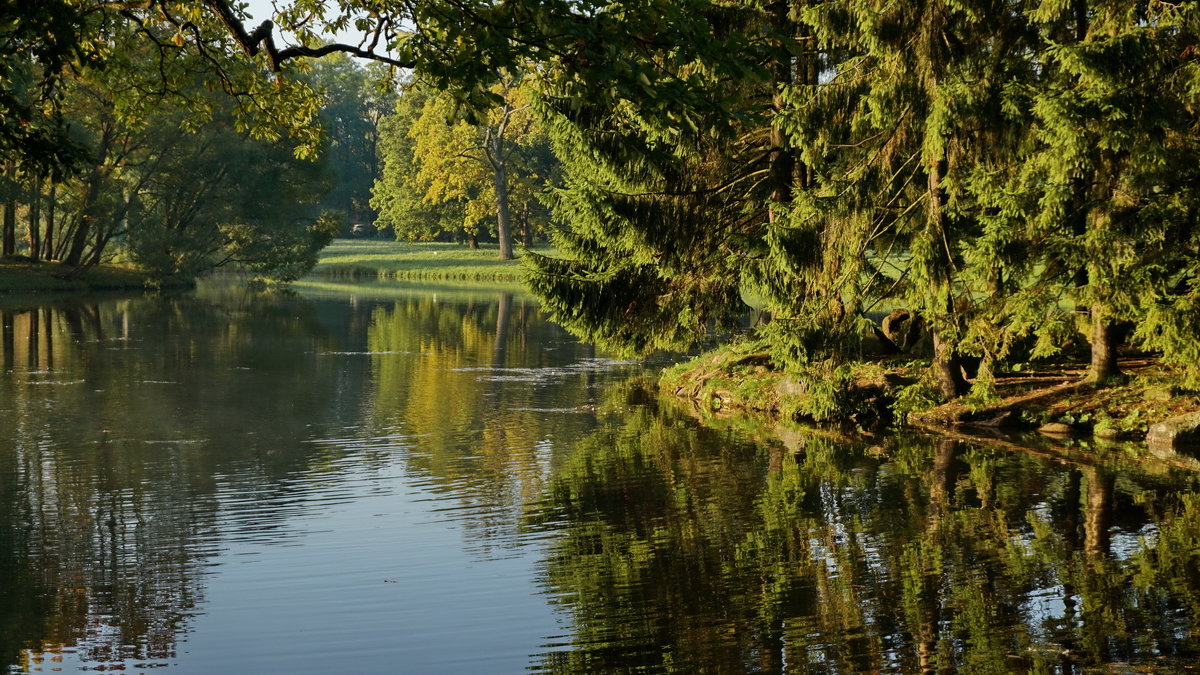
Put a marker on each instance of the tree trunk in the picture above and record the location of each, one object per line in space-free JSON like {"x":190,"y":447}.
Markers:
{"x":97,"y":254}
{"x":947,"y":365}
{"x":472,"y":241}
{"x":35,"y":217}
{"x":526,"y":227}
{"x":503,"y":217}
{"x":9,"y":246}
{"x":782,"y":166}
{"x":947,"y":369}
{"x":89,"y":213}
{"x":48,"y":240}
{"x":1104,"y":369}
{"x":1082,"y":22}
{"x":1103,"y":336}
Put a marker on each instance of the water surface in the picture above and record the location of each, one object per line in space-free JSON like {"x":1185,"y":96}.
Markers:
{"x":400,"y":479}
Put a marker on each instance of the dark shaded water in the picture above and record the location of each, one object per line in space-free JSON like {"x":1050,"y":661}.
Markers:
{"x":397,"y":480}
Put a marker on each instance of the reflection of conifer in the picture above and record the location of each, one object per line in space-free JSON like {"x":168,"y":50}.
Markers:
{"x":941,"y":556}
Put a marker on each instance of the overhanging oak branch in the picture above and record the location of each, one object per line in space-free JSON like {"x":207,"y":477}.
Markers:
{"x":262,"y":39}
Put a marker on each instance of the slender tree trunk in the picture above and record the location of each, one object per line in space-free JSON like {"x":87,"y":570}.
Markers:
{"x":67,"y":235}
{"x":35,"y":217}
{"x":48,"y":240}
{"x":1103,"y":336}
{"x":782,"y":166}
{"x":9,"y":246}
{"x":947,"y":365}
{"x":8,"y":342}
{"x":1082,"y":23}
{"x":89,"y":214}
{"x":526,"y":227}
{"x":97,"y":254}
{"x":503,"y":217}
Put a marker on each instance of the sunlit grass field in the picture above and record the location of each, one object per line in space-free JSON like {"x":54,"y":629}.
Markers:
{"x":373,"y":258}
{"x":392,"y":289}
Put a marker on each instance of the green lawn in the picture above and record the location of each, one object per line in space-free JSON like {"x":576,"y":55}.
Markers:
{"x":388,"y":289}
{"x":373,"y":258}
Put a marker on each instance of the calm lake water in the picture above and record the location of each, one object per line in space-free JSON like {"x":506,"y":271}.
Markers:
{"x":406,"y":480}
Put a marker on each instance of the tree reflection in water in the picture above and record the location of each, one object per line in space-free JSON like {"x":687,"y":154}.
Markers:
{"x":111,"y":461}
{"x":132,"y":426}
{"x":690,"y":549}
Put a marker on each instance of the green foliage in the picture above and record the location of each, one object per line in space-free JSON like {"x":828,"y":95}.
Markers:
{"x":1010,"y":172}
{"x":999,"y":170}
{"x":448,"y":177}
{"x":287,"y":254}
{"x":920,"y":395}
{"x":827,"y":393}
{"x":38,"y":40}
{"x":214,"y":197}
{"x":356,"y":99}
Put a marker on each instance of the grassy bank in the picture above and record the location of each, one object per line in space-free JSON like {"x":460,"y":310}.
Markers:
{"x":1051,"y":398}
{"x":21,"y":276}
{"x":448,"y":289}
{"x":377,"y":259}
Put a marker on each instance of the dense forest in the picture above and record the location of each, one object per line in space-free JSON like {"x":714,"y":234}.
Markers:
{"x":1021,"y":176}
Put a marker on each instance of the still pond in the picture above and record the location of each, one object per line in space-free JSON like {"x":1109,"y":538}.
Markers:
{"x":397,"y":479}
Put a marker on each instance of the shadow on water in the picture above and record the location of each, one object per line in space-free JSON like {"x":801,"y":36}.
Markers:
{"x":144,"y":437}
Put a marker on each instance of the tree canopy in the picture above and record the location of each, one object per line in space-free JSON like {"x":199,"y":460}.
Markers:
{"x":1010,"y":173}
{"x":1020,"y":176}
{"x":446,"y":176}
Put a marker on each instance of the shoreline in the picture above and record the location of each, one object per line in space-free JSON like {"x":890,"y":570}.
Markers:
{"x":1052,"y":400}
{"x":371,"y":259}
{"x":25,"y":278}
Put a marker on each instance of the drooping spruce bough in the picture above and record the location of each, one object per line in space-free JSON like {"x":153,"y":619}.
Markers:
{"x":1015,"y":173}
